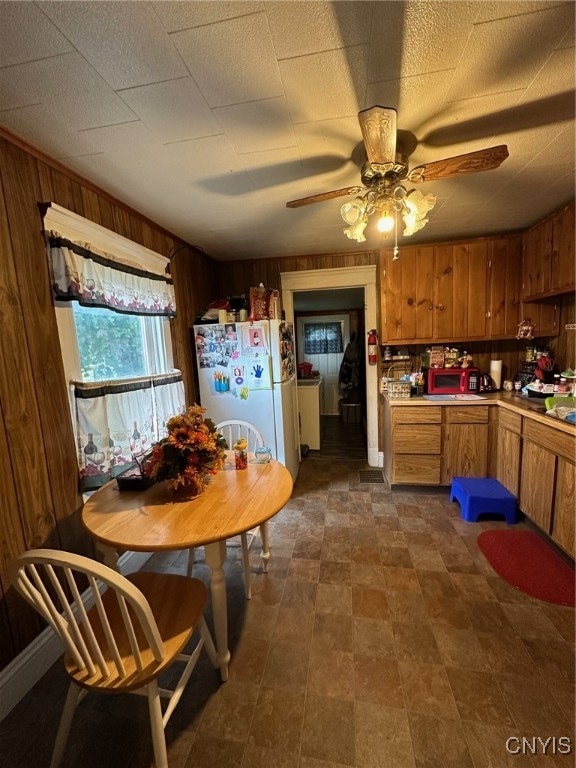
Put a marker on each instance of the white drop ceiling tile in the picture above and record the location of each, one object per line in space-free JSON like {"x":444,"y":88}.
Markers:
{"x":214,"y":165}
{"x":38,"y":125}
{"x":27,"y":34}
{"x":176,"y":16}
{"x":124,"y":41}
{"x":128,"y":139}
{"x":325,"y":85}
{"x":525,"y":142}
{"x":269,"y":169}
{"x":489,"y":10}
{"x":301,"y":28}
{"x":257,"y":125}
{"x":173,"y":110}
{"x":557,"y":76}
{"x":418,"y":37}
{"x":331,"y":140}
{"x":232,"y":61}
{"x":69,"y":87}
{"x":416,"y":99}
{"x":475,"y":122}
{"x":507,"y":54}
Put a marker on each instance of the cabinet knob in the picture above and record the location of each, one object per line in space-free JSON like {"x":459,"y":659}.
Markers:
{"x":440,"y":307}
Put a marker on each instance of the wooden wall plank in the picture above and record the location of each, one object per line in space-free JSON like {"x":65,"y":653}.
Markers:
{"x":17,"y":390}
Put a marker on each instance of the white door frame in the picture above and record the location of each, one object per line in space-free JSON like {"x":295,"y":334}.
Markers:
{"x":344,"y":277}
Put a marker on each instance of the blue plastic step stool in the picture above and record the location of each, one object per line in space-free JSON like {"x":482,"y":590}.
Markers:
{"x":478,"y":495}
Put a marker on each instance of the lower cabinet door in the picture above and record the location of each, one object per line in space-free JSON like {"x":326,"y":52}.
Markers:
{"x":508,"y":460}
{"x":537,"y":484}
{"x":563,"y":523}
{"x":465,"y":451}
{"x":416,"y":470}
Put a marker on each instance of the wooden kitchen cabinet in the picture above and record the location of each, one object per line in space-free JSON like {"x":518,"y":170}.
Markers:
{"x":504,"y":286}
{"x":563,"y":264}
{"x":412,"y":444}
{"x":434,"y":293}
{"x":508,"y":450}
{"x":564,"y":519}
{"x":548,"y":267}
{"x":537,"y":484}
{"x":464,"y":442}
{"x":547,"y":481}
{"x":407,"y":294}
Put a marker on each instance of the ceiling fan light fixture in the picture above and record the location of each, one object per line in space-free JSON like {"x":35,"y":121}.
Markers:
{"x":356,"y":231}
{"x":353,"y":211}
{"x":385,"y":222}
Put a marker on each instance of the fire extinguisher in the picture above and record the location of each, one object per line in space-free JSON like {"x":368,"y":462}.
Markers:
{"x":372,"y":346}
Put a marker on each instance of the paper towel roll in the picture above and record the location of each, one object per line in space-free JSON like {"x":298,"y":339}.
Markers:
{"x":496,"y":373}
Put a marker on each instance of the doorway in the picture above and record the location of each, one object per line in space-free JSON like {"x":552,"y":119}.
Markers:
{"x":330,"y":282}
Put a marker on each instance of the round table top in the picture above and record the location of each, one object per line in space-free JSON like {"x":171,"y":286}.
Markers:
{"x":150,"y":520}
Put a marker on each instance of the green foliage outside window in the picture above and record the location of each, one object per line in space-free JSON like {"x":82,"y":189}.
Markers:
{"x":109,"y":343}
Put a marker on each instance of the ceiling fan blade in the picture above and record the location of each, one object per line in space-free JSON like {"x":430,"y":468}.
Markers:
{"x":472,"y":162}
{"x":378,"y":125}
{"x":324,"y":196}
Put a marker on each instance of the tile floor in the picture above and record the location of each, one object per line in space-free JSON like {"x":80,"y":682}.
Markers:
{"x":380,"y":638}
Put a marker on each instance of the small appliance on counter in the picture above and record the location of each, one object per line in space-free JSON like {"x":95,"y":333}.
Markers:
{"x":457,"y":381}
{"x":485,"y":383}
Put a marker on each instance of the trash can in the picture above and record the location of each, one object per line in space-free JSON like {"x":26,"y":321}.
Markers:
{"x":350,"y":413}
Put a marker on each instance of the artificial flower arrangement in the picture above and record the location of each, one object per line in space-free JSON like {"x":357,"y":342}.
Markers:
{"x":190,"y":454}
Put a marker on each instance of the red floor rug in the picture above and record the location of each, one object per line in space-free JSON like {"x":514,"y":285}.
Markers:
{"x":527,"y":562}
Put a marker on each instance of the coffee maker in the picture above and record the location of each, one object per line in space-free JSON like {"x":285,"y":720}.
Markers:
{"x":485,"y":382}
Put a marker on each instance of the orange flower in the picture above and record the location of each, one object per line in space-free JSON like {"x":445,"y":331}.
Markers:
{"x":191,"y":452}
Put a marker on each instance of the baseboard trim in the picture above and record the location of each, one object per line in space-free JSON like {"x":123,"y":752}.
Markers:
{"x":23,"y":672}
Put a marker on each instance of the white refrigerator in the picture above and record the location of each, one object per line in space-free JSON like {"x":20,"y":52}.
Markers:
{"x":247,"y":371}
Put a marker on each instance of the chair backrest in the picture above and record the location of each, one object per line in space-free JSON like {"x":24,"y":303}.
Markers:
{"x":233,"y":430}
{"x":121,"y":617}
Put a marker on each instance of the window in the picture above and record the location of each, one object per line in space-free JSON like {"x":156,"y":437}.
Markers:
{"x":322,"y":338}
{"x":112,"y":345}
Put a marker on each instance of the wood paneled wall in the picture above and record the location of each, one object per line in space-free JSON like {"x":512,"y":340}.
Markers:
{"x":39,"y":499}
{"x":237,"y":277}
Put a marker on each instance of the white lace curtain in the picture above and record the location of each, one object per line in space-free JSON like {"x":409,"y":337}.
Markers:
{"x":113,"y":420}
{"x":117,"y":420}
{"x":82,"y":273}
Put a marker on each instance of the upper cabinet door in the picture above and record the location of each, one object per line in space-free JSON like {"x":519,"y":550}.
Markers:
{"x":505,"y":273}
{"x":407,"y":294}
{"x":548,"y":259}
{"x":563,"y":265}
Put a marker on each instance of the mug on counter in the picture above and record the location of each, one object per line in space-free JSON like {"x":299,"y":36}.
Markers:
{"x":508,"y":385}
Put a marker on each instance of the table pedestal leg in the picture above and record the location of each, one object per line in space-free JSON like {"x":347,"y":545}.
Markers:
{"x":107,"y":555}
{"x":265,"y":556}
{"x":215,"y":555}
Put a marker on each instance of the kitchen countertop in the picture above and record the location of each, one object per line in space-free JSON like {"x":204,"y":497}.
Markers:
{"x":526,"y":406}
{"x":309,"y":382}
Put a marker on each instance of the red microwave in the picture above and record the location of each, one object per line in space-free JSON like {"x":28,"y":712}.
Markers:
{"x":453,"y":381}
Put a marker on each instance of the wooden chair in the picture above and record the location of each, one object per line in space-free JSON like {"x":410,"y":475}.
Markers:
{"x":232,"y":430}
{"x":120,"y":636}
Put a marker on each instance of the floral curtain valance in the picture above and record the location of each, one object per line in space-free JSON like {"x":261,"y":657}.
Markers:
{"x":116,"y":420}
{"x":322,"y":338}
{"x":94,"y":278}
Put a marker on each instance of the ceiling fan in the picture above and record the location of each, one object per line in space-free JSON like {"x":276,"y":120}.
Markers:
{"x":384,"y":171}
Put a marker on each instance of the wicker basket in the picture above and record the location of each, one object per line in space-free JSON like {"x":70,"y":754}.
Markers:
{"x":398,"y":389}
{"x":392,"y":385}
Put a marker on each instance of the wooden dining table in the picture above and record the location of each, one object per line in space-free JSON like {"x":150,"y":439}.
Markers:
{"x":155,"y":520}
